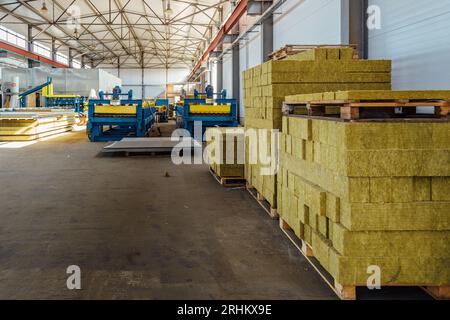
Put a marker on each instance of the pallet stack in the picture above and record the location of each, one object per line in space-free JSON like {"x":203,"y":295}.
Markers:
{"x":353,"y":105}
{"x":369,"y":193}
{"x":27,"y":126}
{"x":293,"y":50}
{"x":219,"y":147}
{"x":317,"y":70}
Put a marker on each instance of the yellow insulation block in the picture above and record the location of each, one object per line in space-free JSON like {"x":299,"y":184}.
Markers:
{"x":210,"y":109}
{"x":414,"y":270}
{"x":110,"y":109}
{"x":394,"y":95}
{"x":391,"y":243}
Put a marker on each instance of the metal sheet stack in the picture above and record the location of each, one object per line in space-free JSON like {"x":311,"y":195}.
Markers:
{"x":28,"y":125}
{"x":369,"y":193}
{"x":317,"y":70}
{"x":230,"y":142}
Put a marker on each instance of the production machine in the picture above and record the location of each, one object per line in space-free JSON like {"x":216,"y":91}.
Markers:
{"x":116,"y":94}
{"x":113,"y":119}
{"x":162,"y":107}
{"x":51,"y":100}
{"x":211,"y":112}
{"x":210,"y":94}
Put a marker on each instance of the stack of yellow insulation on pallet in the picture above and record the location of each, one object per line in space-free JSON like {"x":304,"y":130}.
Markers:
{"x":317,"y":70}
{"x":223,"y":143}
{"x":26,"y":126}
{"x":364,"y":194}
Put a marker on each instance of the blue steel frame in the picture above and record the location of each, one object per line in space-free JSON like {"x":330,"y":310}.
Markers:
{"x":76,"y":103}
{"x":119,"y":126}
{"x":23,"y":95}
{"x":225,"y":120}
{"x":219,"y":95}
{"x":162,"y":102}
{"x":163,"y":116}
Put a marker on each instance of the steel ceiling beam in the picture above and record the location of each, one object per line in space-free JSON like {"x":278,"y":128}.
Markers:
{"x":147,"y":31}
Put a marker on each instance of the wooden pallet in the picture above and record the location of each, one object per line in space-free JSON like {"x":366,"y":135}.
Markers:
{"x":354,"y":110}
{"x":228,"y":182}
{"x":292,"y":49}
{"x":272,"y":212}
{"x":345,"y":292}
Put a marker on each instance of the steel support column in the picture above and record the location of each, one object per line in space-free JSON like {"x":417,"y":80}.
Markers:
{"x":30,"y":45}
{"x":70,"y":58}
{"x":118,"y":67}
{"x":358,"y":33}
{"x":142,"y":75}
{"x":267,"y":37}
{"x":235,"y":73}
{"x":53,"y":49}
{"x":219,"y":70}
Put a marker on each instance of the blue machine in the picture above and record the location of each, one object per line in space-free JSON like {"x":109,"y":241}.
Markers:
{"x":116,"y":94}
{"x":209,"y":93}
{"x":23,"y":96}
{"x":222,"y":113}
{"x":52,"y":100}
{"x":109,"y":122}
{"x":162,"y":107}
{"x":77,"y":103}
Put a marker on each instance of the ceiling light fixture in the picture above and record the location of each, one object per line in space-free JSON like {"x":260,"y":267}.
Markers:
{"x":168,"y":10}
{"x":44,"y":7}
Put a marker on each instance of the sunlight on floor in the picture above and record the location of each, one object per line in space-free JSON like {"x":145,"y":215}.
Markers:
{"x":23,"y":144}
{"x":54,"y":136}
{"x":78,"y":128}
{"x":16,"y":144}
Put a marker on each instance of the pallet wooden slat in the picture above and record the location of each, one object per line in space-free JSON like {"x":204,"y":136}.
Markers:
{"x":351,"y":110}
{"x":346,"y":292}
{"x":272,"y":212}
{"x":228,"y":181}
{"x":292,"y":49}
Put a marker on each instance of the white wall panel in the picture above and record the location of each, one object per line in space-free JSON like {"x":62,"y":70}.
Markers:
{"x":253,"y":49}
{"x":214,"y":78}
{"x":228,"y":74}
{"x":243,"y":63}
{"x":137,"y":91}
{"x":155,"y":76}
{"x":114,"y":72}
{"x":416,"y":36}
{"x":131,"y":76}
{"x":154,"y":80}
{"x":154,"y":91}
{"x":310,"y":22}
{"x":250,"y":55}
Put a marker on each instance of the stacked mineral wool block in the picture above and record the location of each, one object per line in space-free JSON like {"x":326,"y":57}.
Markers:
{"x":317,"y":70}
{"x":26,"y":126}
{"x":366,"y":194}
{"x":234,"y":168}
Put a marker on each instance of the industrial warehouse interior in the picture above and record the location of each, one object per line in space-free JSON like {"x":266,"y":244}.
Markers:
{"x":225,"y":150}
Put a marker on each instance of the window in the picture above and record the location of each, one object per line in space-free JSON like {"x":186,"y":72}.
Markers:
{"x":76,"y":64}
{"x":42,"y":50}
{"x":3,"y":34}
{"x":61,"y":58}
{"x":12,"y":37}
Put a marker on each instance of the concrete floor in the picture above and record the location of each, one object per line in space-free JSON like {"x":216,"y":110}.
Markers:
{"x":136,"y":233}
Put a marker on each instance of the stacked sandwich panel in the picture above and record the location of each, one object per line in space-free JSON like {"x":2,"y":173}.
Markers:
{"x":26,"y":126}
